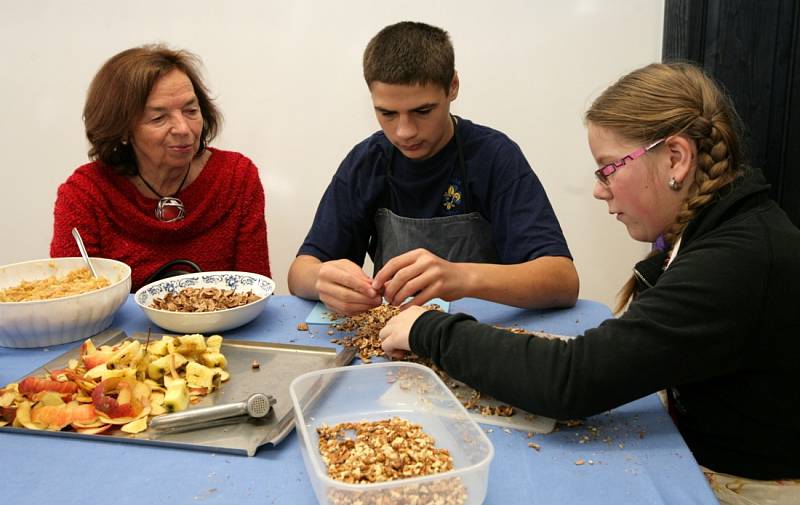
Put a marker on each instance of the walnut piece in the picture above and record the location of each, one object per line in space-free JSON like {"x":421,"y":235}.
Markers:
{"x":367,"y":326}
{"x":381,"y":451}
{"x":386,"y":450}
{"x":203,"y":300}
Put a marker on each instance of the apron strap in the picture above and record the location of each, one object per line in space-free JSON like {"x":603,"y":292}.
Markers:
{"x":462,"y":168}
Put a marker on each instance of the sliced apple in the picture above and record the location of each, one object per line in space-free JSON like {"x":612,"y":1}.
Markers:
{"x":177,"y":396}
{"x":103,"y":373}
{"x":214,"y":359}
{"x":108,"y":405}
{"x":32,"y":385}
{"x":191,"y":344}
{"x":158,"y":367}
{"x":136,"y":426}
{"x":87,"y":347}
{"x":154,"y":386}
{"x":214,"y":343}
{"x":83,"y":398}
{"x":125,"y":355}
{"x":124,"y":396}
{"x":50,"y":398}
{"x":96,"y":356}
{"x":8,"y":414}
{"x":93,"y":430}
{"x":7,"y":397}
{"x":172,"y":343}
{"x":117,"y":386}
{"x":200,"y":376}
{"x":224,"y":375}
{"x":24,"y":417}
{"x":52,"y":417}
{"x":96,"y":372}
{"x":94,"y":424}
{"x":157,"y":403}
{"x":124,"y":420}
{"x":158,"y":347}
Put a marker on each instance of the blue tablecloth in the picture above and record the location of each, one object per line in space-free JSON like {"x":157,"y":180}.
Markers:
{"x":631,"y":455}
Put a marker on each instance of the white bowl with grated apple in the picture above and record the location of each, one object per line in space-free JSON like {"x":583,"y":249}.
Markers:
{"x":66,"y":315}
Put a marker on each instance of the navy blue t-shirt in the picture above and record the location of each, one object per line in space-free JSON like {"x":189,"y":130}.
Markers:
{"x":501,"y":185}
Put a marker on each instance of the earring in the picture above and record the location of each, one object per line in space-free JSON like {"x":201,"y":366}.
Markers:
{"x":124,"y":142}
{"x":674,"y":185}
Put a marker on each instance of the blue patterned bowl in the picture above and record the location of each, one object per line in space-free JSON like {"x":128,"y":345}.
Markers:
{"x":206,"y":322}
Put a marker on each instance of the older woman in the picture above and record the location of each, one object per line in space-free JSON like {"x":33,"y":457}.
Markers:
{"x":155,"y":192}
{"x":712,"y":316}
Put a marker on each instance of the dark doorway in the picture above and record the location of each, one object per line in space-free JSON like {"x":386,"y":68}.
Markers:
{"x":753,"y":48}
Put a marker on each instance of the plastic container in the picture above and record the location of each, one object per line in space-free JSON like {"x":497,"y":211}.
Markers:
{"x":381,"y":391}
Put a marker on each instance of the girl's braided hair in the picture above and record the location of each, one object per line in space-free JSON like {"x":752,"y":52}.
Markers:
{"x":664,"y":99}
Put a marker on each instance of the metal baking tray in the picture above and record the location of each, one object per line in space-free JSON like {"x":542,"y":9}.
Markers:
{"x":278,"y":363}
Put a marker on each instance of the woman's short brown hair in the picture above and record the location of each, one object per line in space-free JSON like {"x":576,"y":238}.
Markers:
{"x":118,"y":94}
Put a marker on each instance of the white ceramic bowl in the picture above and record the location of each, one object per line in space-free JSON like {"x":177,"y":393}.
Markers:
{"x":59,"y":320}
{"x":206,"y":322}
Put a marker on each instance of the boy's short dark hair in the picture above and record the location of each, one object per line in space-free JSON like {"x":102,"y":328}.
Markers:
{"x":410,"y":53}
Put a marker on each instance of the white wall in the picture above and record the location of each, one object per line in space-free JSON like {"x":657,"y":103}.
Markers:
{"x":287,"y":76}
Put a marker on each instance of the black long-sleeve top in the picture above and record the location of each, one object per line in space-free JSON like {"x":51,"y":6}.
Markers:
{"x":719,"y":328}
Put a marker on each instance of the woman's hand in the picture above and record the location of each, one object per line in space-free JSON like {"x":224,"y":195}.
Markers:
{"x":395,"y":334}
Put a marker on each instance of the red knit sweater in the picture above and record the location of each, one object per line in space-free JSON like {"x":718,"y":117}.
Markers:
{"x":224,"y":227}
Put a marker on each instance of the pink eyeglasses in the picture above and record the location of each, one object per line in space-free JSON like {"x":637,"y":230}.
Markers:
{"x":603,"y":172}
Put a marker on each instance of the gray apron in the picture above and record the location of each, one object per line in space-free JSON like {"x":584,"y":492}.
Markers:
{"x":463,"y":238}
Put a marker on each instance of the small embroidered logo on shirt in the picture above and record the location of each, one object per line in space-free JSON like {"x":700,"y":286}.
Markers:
{"x":451,"y":198}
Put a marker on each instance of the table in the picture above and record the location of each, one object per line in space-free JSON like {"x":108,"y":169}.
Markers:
{"x":632,"y":454}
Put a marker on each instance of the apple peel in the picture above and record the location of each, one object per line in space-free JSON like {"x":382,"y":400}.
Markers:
{"x":116,"y":387}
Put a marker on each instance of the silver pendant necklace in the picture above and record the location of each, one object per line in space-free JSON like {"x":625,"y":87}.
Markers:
{"x":169,"y":208}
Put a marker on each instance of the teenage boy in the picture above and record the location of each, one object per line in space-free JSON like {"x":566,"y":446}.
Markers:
{"x":445,"y":207}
